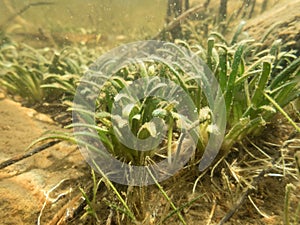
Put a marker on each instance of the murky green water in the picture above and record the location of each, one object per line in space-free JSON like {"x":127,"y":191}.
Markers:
{"x":106,"y":17}
{"x":128,"y":19}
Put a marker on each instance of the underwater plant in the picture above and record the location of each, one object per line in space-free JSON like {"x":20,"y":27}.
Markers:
{"x":39,"y":75}
{"x":256,"y":84}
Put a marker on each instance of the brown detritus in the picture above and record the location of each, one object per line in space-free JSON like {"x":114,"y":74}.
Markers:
{"x":288,"y":28}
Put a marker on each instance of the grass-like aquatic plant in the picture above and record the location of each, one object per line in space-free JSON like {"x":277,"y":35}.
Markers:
{"x":39,"y":75}
{"x":256,"y":84}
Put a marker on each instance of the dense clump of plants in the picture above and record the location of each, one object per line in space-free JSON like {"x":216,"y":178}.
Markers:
{"x":42,"y":75}
{"x":256,"y":85}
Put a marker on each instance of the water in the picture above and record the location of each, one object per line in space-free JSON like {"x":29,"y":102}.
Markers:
{"x":127,"y":20}
{"x":130,"y":18}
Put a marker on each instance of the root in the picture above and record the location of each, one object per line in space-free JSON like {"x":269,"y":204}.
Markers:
{"x":27,"y":154}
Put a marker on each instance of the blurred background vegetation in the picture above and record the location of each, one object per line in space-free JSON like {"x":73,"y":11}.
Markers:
{"x":105,"y":21}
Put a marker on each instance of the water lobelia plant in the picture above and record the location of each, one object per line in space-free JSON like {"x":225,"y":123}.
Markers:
{"x":256,"y":84}
{"x":38,"y":75}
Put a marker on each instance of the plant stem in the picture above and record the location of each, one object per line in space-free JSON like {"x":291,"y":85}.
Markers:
{"x":282,"y":111}
{"x":167,"y":197}
{"x":170,"y":135}
{"x":286,"y":219}
{"x":131,"y":215}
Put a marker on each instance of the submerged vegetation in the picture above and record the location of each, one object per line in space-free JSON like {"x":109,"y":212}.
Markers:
{"x":39,"y":75}
{"x":257,"y":84}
